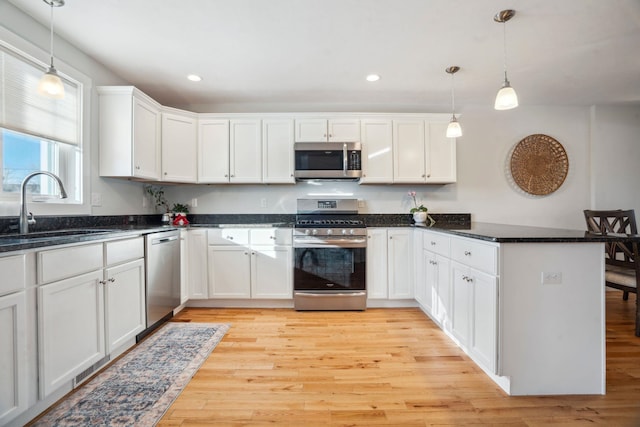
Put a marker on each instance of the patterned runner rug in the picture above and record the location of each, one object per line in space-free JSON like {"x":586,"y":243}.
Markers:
{"x":139,"y":387}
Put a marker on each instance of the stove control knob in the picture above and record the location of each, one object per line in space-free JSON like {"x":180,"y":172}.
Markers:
{"x":329,"y":232}
{"x":352,"y":231}
{"x":307,"y":232}
{"x":314,"y":232}
{"x":344,"y":232}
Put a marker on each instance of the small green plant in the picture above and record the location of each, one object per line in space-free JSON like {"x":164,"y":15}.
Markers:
{"x":157,"y":195}
{"x":416,"y":208}
{"x":180,"y":208}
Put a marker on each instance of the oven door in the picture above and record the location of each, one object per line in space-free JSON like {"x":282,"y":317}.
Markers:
{"x":329,"y":269}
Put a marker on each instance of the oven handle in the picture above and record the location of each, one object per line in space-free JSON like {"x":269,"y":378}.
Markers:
{"x":352,"y":243}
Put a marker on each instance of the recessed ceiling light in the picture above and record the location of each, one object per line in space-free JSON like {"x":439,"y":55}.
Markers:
{"x":373,"y":78}
{"x":194,"y":77}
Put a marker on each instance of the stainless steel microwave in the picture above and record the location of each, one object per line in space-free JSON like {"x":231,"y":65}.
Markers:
{"x":339,"y":161}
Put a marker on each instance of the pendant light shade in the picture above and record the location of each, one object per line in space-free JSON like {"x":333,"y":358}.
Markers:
{"x":453,"y":130}
{"x":50,"y":84}
{"x":506,"y":98}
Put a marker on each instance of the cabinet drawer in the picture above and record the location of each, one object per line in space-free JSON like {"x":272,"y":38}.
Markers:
{"x":475,"y":254}
{"x":228,"y":236}
{"x":271,"y":236}
{"x":14,"y":278}
{"x":124,"y":250}
{"x":438,"y":243}
{"x":60,"y":263}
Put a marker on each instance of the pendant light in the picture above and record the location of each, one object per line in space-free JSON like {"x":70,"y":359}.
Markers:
{"x":50,"y":84}
{"x":453,"y":130}
{"x":506,"y":98}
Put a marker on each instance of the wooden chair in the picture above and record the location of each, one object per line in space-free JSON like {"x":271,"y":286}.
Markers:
{"x":622,"y":262}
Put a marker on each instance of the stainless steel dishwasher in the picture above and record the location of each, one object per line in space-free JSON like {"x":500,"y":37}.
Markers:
{"x":163,"y":276}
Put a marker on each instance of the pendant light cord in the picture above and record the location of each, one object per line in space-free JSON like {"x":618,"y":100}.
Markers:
{"x":504,"y":48}
{"x":453,"y":99}
{"x":51,"y":35}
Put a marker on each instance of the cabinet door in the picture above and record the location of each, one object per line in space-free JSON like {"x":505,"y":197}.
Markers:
{"x":70,"y":329}
{"x":124,"y":303}
{"x":229,"y":272}
{"x":213,"y":151}
{"x":461,"y":303}
{"x":197,"y":264}
{"x":311,"y":130}
{"x":245,"y":147}
{"x":179,"y":147}
{"x":377,"y":263}
{"x":146,"y":139}
{"x":484,"y":325}
{"x":271,"y":272}
{"x":442,"y":292}
{"x":408,"y":151}
{"x":344,"y":130}
{"x":377,"y":151}
{"x":440,"y":155}
{"x":428,"y":283}
{"x":13,"y":356}
{"x":277,"y":149}
{"x":399,"y":253}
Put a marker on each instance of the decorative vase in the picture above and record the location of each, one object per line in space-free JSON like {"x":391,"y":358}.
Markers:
{"x":420,"y":217}
{"x":180,"y":219}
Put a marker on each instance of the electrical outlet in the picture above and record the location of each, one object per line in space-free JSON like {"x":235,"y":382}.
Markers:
{"x":263,"y":202}
{"x":194,"y":203}
{"x":551,"y":278}
{"x":96,"y":199}
{"x":361,"y":203}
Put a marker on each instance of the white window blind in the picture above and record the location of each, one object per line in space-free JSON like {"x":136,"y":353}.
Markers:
{"x":22,"y":109}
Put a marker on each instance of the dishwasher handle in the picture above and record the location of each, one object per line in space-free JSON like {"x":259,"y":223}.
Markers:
{"x":163,"y":240}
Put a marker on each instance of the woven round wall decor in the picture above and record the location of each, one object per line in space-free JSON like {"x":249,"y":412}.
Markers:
{"x":539,"y":164}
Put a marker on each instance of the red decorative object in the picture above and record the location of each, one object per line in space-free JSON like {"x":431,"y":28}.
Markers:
{"x":180,"y":219}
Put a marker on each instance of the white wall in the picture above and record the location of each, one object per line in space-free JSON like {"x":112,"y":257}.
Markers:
{"x":615,"y":158}
{"x":483,"y":188}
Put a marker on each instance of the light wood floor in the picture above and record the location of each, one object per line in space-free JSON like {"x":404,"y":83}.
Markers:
{"x":389,"y":367}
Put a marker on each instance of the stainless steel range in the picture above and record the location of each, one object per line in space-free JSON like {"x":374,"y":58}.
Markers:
{"x":330,"y":244}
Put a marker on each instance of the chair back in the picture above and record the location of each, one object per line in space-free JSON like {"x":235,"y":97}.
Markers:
{"x":622,"y":254}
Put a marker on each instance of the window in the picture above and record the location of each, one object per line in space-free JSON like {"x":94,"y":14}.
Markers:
{"x":37,"y":133}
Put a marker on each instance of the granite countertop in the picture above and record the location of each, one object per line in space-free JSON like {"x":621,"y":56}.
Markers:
{"x":505,"y":233}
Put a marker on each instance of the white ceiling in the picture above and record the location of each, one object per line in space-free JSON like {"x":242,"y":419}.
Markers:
{"x":291,"y":55}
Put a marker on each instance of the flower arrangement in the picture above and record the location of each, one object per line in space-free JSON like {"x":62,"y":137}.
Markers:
{"x":157,"y":195}
{"x":416,"y":208}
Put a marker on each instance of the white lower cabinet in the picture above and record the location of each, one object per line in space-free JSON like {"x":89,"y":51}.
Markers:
{"x":389,"y":264}
{"x":196,"y":264}
{"x":124,"y":294}
{"x":70,"y":328}
{"x":437,"y":290}
{"x":239,"y":269}
{"x":13,"y":356}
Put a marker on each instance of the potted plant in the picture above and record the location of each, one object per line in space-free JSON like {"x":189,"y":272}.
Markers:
{"x":180,"y":212}
{"x":159,"y":200}
{"x":420,"y":213}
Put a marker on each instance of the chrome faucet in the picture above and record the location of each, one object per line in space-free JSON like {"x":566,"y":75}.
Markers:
{"x":26,"y":219}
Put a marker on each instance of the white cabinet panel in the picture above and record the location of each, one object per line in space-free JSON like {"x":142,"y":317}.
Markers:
{"x":377,"y":270}
{"x":399,"y":253}
{"x":484,"y":333}
{"x":213,"y":151}
{"x":229,"y":272}
{"x":70,"y":329}
{"x":476,"y":254}
{"x":228,"y":236}
{"x":125,"y":250}
{"x":55,"y":264}
{"x":441,"y":155}
{"x":245,"y":151}
{"x":408,"y":151}
{"x":179,"y":147}
{"x":271,"y":236}
{"x":344,"y":130}
{"x":323,"y":130}
{"x":277,"y":151}
{"x":377,"y":151}
{"x":196,"y":261}
{"x":271,"y":271}
{"x":460,"y":304}
{"x":13,"y":269}
{"x":124,"y":303}
{"x":13,"y":356}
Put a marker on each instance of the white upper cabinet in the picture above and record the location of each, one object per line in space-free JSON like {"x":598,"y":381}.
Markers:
{"x":245,"y":151}
{"x":377,"y":151}
{"x":213,"y":151}
{"x":408,"y":151}
{"x":441,"y":155}
{"x":422,"y":154}
{"x":179,"y":146}
{"x":129,"y":133}
{"x":277,"y":151}
{"x":323,"y":130}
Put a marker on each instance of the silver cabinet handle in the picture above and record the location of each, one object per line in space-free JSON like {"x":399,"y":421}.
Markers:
{"x":467,"y":253}
{"x":433,"y":243}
